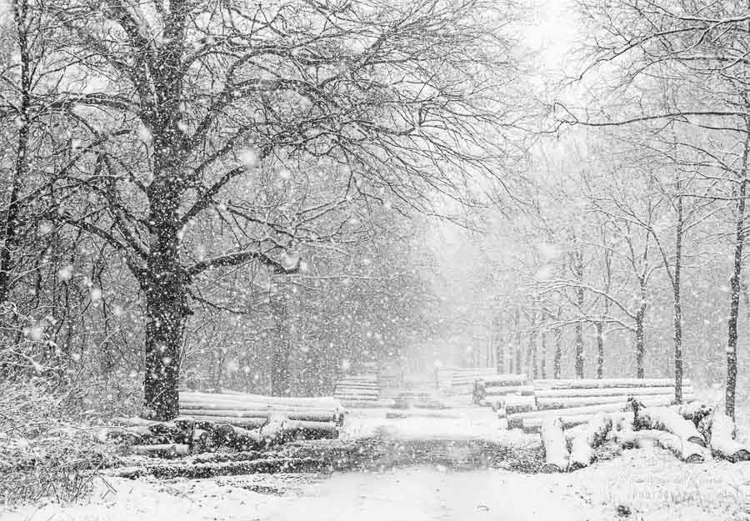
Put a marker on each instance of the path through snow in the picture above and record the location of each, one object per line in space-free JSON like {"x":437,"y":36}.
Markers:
{"x":412,"y":494}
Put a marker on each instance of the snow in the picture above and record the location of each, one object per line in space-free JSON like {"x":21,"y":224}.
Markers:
{"x":414,"y":494}
{"x":469,"y":423}
{"x":649,"y":484}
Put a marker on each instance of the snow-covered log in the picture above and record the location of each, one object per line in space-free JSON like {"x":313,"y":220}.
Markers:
{"x":516,"y":404}
{"x":603,"y":383}
{"x":571,"y":402}
{"x":556,"y":455}
{"x":172,"y":450}
{"x":685,"y":450}
{"x":542,"y":392}
{"x":523,"y":390}
{"x":666,"y":419}
{"x":294,"y":428}
{"x":309,"y":402}
{"x":722,"y":442}
{"x":586,"y":438}
{"x":517,"y":421}
{"x":318,"y":415}
{"x":504,"y":380}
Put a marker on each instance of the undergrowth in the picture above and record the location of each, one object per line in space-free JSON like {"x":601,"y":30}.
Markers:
{"x":49,"y":448}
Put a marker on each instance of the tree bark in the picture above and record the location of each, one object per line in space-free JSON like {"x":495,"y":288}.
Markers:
{"x":10,"y":224}
{"x":578,"y":273}
{"x":677,"y":297}
{"x":518,"y":364}
{"x":557,"y":362}
{"x":533,"y":352}
{"x":640,"y":317}
{"x":735,"y":285}
{"x":281,"y":357}
{"x":599,"y":350}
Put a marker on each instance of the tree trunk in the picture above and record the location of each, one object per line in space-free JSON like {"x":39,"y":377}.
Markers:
{"x":578,"y":272}
{"x":599,"y":350}
{"x":735,"y":284}
{"x":280,"y":360}
{"x":164,"y":280}
{"x":166,"y":314}
{"x":640,"y":318}
{"x":676,"y":287}
{"x":533,"y":353}
{"x":557,"y":362}
{"x":543,"y":361}
{"x":11,"y":223}
{"x":518,"y":364}
{"x":499,"y":350}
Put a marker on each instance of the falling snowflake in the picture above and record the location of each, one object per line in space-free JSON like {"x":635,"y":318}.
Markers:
{"x":65,"y":273}
{"x":248,"y":157}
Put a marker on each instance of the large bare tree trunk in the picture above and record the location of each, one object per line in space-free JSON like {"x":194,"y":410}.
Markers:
{"x":165,"y":280}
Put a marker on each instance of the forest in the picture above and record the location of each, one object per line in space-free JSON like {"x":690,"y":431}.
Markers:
{"x":265,"y":197}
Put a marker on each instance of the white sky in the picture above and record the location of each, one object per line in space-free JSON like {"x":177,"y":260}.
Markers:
{"x":552,"y":31}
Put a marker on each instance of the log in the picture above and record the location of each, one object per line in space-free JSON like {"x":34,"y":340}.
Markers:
{"x":722,"y":442}
{"x":531,"y":425}
{"x":315,"y":416}
{"x":666,"y":419}
{"x":607,"y":391}
{"x":586,"y":439}
{"x":173,"y":450}
{"x":256,"y":423}
{"x":504,"y":380}
{"x":685,"y":450}
{"x":516,"y":420}
{"x":518,"y":404}
{"x":523,"y":390}
{"x":596,"y":383}
{"x":246,"y":423}
{"x":568,"y":403}
{"x":317,"y":402}
{"x":556,"y":455}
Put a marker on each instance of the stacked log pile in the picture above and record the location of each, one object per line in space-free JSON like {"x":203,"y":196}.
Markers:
{"x":694,"y":433}
{"x":253,"y":411}
{"x":457,"y":381}
{"x":505,"y":393}
{"x":358,"y":390}
{"x":577,"y":401}
{"x":235,"y":421}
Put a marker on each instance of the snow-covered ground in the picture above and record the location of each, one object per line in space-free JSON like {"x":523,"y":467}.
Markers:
{"x":645,"y":485}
